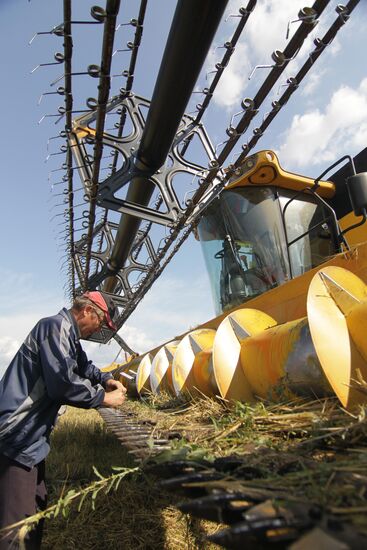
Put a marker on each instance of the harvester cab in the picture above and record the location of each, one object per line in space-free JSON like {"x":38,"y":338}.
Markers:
{"x":267,"y":227}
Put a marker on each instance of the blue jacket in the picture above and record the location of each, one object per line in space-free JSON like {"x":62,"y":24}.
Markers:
{"x":50,"y":369}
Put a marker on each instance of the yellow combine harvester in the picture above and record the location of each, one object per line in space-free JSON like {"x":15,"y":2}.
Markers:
{"x":289,"y":290}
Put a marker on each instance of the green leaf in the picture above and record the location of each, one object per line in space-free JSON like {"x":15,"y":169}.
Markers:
{"x":96,"y":472}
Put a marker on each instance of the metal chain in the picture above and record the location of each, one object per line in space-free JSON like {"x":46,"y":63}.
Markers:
{"x":220,"y":67}
{"x":124,"y":92}
{"x":112,"y":9}
{"x":68,"y":51}
{"x":139,"y":26}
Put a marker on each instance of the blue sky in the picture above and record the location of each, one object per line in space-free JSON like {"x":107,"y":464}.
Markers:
{"x":326,"y":118}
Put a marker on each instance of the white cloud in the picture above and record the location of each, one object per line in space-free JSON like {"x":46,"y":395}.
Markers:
{"x":138,"y":338}
{"x":15,"y":327}
{"x":21,"y":291}
{"x":233,"y":83}
{"x":321,"y":136}
{"x":23,"y":301}
{"x":265,"y":32}
{"x":8,"y":348}
{"x":359,"y":140}
{"x":312,"y":82}
{"x":250,"y":50}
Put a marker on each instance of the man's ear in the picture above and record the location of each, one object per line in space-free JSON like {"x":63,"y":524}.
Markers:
{"x":87,"y":309}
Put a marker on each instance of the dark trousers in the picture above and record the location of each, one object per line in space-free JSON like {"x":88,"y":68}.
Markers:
{"x":22,"y":494}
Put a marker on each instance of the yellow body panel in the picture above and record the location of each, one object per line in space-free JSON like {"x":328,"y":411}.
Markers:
{"x":263,"y":168}
{"x":357,"y":235}
{"x":111,"y":367}
{"x":82,"y":132}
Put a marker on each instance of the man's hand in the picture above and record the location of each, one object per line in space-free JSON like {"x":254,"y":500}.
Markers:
{"x":115,"y":393}
{"x":114,"y":398}
{"x":112,"y":384}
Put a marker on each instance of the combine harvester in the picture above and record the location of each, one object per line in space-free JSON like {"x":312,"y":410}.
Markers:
{"x":286,"y":253}
{"x":274,"y":242}
{"x":287,"y":271}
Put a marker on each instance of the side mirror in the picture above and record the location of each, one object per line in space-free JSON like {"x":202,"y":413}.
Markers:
{"x":357,"y":189}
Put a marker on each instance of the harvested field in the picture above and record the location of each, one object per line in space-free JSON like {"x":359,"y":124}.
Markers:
{"x":137,"y":515}
{"x":303,"y":451}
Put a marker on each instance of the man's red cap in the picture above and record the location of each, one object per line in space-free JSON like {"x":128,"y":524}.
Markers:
{"x":105,"y":304}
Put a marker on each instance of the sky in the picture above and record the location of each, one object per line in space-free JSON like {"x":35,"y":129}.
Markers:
{"x":325,"y":119}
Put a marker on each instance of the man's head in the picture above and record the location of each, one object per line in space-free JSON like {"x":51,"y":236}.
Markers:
{"x":92,"y":310}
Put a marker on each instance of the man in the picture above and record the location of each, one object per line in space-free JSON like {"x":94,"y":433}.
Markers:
{"x":49,"y":370}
